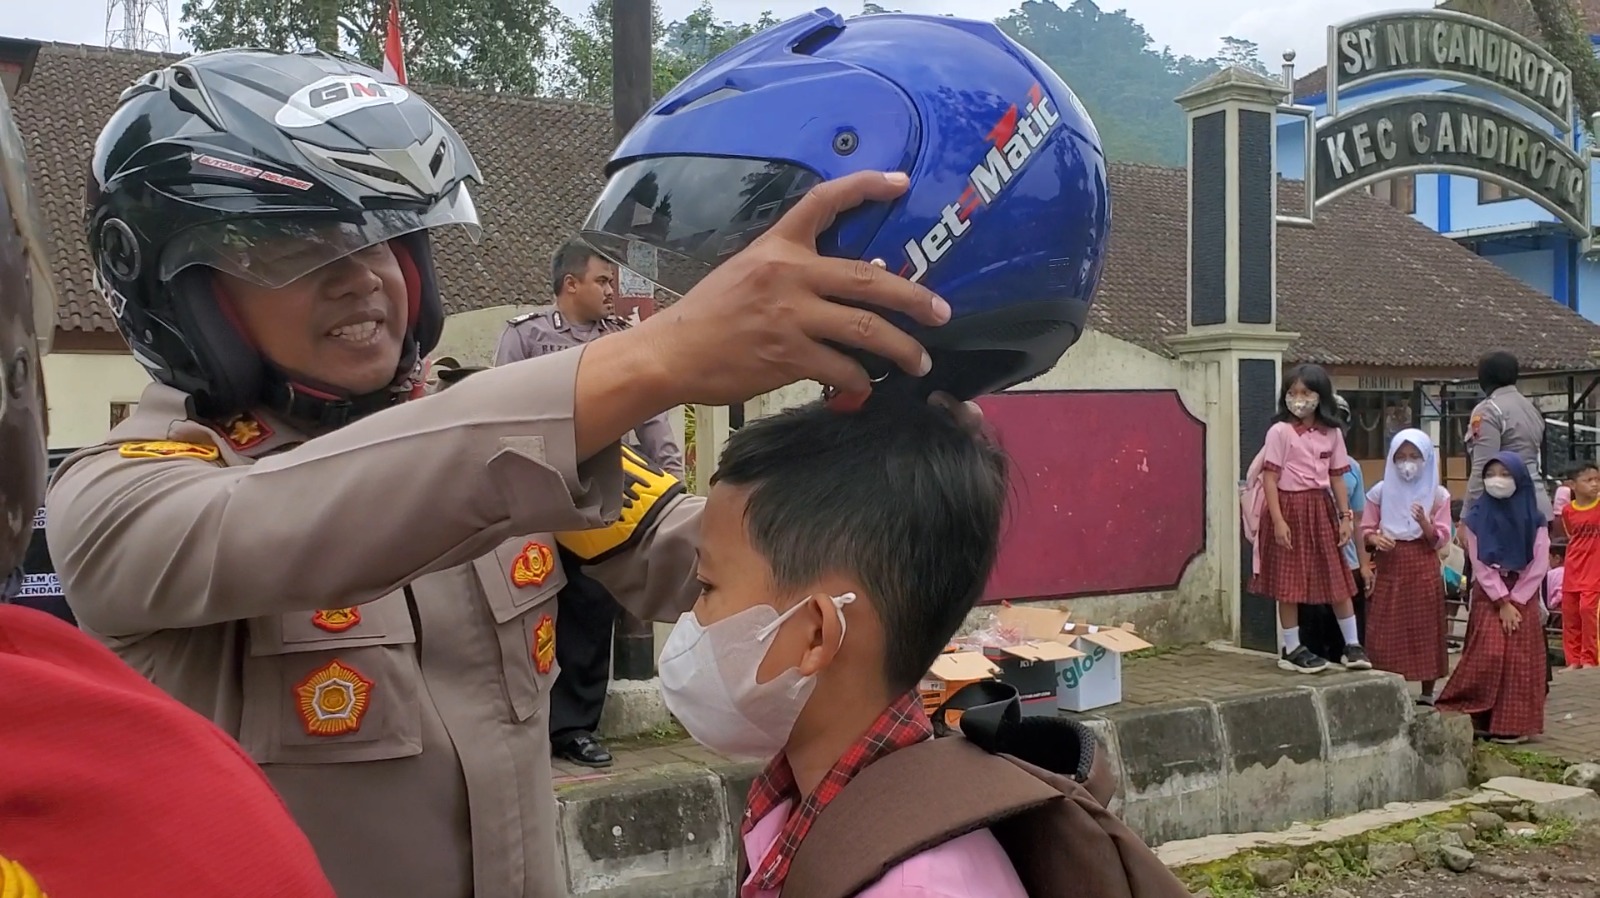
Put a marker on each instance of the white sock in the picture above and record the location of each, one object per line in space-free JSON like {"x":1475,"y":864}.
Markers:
{"x":1347,"y":627}
{"x":1291,"y":639}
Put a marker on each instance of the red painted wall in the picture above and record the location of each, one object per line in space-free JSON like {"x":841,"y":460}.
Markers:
{"x":1109,"y":492}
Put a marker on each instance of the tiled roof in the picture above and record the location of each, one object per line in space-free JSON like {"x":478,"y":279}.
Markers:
{"x":1514,"y":14}
{"x":541,"y":162}
{"x":1413,"y":298}
{"x":1369,"y":285}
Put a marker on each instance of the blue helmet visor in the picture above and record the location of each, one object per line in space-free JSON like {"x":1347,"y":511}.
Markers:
{"x":695,"y":211}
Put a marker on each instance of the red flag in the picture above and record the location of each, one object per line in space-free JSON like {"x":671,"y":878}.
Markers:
{"x":394,"y":57}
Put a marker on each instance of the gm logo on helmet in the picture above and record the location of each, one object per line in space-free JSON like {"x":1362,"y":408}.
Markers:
{"x":1012,"y":144}
{"x":323,"y":101}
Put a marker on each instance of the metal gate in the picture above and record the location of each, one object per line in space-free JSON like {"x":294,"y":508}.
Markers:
{"x":1570,"y":402}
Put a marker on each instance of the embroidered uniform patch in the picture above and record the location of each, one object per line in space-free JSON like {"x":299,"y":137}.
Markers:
{"x":544,"y":644}
{"x":245,"y":432}
{"x":16,"y":882}
{"x":532,"y":565}
{"x":336,"y":620}
{"x":333,"y":699}
{"x":168,"y":449}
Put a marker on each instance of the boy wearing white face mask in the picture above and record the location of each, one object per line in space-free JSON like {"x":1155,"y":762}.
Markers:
{"x":1406,"y":521}
{"x":839,"y":553}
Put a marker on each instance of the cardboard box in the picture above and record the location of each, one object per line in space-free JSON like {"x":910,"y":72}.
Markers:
{"x":1033,"y":668}
{"x":1089,"y":678}
{"x":1094,"y":680}
{"x":949,"y":673}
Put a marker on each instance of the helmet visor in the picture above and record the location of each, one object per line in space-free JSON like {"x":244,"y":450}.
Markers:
{"x":274,"y":252}
{"x":25,"y":218}
{"x":695,"y":211}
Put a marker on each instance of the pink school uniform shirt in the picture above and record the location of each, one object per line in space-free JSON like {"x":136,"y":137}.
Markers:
{"x":1304,"y":457}
{"x":1372,"y":515}
{"x":1562,"y":500}
{"x":969,"y":866}
{"x":1552,"y":582}
{"x":1528,"y":579}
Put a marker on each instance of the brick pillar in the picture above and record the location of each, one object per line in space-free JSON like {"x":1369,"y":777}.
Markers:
{"x":1232,"y":309}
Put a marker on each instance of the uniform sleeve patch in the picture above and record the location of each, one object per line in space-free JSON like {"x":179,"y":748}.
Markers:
{"x":168,"y":449}
{"x":333,"y":699}
{"x":544,"y":644}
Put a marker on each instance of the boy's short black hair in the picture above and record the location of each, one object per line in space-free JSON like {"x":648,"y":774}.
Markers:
{"x":1578,"y":468}
{"x":897,"y":495}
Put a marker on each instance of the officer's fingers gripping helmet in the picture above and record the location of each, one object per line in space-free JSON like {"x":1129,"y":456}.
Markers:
{"x":1007,"y":213}
{"x":265,"y":166}
{"x":27,"y":323}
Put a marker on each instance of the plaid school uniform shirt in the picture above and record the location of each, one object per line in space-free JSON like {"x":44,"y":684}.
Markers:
{"x":901,"y":725}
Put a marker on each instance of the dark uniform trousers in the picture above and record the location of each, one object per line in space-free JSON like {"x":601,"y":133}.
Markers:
{"x":584,"y":624}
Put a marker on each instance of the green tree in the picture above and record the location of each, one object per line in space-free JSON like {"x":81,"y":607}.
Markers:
{"x":480,"y":44}
{"x":1236,"y":51}
{"x":680,"y":48}
{"x":1111,"y":63}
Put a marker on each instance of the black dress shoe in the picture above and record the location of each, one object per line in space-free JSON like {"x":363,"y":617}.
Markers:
{"x":586,"y":750}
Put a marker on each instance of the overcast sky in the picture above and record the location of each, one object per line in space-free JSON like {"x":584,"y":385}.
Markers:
{"x":1189,"y":27}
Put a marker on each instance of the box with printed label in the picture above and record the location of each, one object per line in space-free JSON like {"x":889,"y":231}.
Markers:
{"x":949,"y":673}
{"x":1032,"y":667}
{"x":1094,"y":680}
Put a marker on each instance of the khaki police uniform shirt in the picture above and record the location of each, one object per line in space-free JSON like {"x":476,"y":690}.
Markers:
{"x":371,"y":612}
{"x":547,"y":330}
{"x":1506,"y":421}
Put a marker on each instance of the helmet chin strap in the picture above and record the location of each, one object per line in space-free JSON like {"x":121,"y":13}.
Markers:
{"x":322,"y":407}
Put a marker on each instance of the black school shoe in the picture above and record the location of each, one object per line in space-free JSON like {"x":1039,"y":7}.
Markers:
{"x":1302,"y":660}
{"x":1355,"y":658}
{"x":586,"y":750}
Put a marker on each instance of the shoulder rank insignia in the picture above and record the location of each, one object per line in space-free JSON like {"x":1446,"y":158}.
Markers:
{"x":333,"y":699}
{"x":524,"y":318}
{"x":245,"y":432}
{"x":336,"y":620}
{"x":544,"y":644}
{"x":532,"y":565}
{"x":16,"y":882}
{"x":168,"y":449}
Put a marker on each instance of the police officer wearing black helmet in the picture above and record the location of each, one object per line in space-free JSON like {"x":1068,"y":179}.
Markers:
{"x":358,"y":586}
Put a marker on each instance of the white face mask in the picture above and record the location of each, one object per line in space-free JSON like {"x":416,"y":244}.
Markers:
{"x":1499,"y":487}
{"x":1408,"y":469}
{"x":708,"y":680}
{"x":1302,"y":407}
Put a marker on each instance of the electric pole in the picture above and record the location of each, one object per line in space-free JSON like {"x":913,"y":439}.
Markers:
{"x":633,"y":651}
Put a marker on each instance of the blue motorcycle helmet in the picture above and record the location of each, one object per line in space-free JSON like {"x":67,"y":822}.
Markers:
{"x":1006,"y":216}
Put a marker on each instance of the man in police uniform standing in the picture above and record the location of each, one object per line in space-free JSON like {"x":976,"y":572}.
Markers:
{"x":584,"y":285}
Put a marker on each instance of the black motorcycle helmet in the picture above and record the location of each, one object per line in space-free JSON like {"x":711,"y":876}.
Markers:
{"x":27,"y":322}
{"x":266,"y":166}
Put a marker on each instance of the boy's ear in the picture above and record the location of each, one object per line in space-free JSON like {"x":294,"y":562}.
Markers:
{"x":824,"y":634}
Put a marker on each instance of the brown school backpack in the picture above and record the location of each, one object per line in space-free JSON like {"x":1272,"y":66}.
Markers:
{"x":1040,"y":785}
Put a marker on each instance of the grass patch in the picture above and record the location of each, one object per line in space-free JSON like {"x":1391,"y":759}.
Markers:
{"x":1155,"y":651}
{"x":1321,"y":866}
{"x":1532,"y":765}
{"x":663,"y":734}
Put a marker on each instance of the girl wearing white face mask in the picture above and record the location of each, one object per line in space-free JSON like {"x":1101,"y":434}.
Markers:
{"x":1405,"y":522}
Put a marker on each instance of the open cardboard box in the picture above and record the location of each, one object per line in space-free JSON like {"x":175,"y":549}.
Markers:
{"x":1033,"y":666}
{"x":949,"y":673}
{"x":1091,"y":677}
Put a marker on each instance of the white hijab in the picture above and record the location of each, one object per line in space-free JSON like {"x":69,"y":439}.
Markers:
{"x":1399,"y":494}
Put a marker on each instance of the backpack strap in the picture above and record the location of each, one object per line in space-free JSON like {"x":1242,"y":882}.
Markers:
{"x":866,"y":831}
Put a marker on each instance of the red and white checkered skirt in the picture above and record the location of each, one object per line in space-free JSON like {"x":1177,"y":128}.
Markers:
{"x":1500,"y":679}
{"x":1406,"y":613}
{"x":1313,"y":572}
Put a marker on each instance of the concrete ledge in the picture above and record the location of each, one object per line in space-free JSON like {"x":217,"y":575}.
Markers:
{"x":1262,"y":760}
{"x":646,"y":832}
{"x":632,"y":707}
{"x":1250,"y":763}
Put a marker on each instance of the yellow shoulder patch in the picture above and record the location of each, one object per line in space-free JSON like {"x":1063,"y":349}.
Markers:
{"x":168,"y":449}
{"x":646,"y":491}
{"x":16,"y":883}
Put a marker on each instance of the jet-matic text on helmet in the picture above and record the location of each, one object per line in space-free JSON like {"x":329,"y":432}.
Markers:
{"x":1012,"y":143}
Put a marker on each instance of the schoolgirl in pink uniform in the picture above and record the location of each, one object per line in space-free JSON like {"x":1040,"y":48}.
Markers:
{"x":1306,"y":519}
